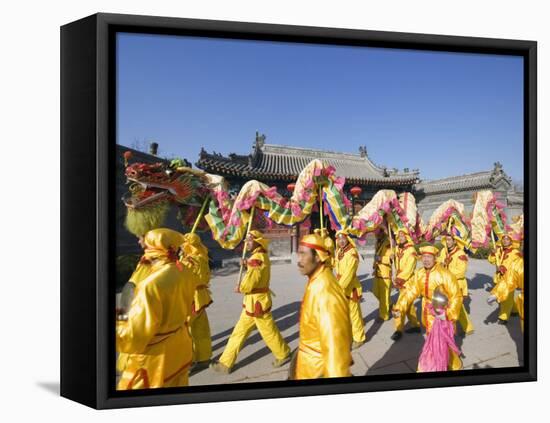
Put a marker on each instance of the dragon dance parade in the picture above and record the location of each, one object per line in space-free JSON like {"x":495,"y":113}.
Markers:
{"x":368,"y":290}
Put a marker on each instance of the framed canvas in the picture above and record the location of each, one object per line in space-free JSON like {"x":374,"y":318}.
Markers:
{"x":238,"y":166}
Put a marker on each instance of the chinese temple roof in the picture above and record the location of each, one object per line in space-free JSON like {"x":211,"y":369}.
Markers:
{"x":270,"y":162}
{"x":473,"y":181}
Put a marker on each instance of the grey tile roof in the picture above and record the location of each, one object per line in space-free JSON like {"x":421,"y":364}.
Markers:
{"x":270,"y":161}
{"x":471,"y":181}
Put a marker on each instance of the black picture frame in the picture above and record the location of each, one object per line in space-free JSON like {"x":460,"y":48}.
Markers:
{"x":87,"y":193}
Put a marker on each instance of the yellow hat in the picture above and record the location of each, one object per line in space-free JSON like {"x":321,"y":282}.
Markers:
{"x":429,"y":249}
{"x":162,"y":243}
{"x":316,"y":243}
{"x":345,"y":232}
{"x":258,"y":237}
{"x":515,"y":242}
{"x":407,"y":235}
{"x":329,"y":243}
{"x":192,"y":244}
{"x":163,"y":239}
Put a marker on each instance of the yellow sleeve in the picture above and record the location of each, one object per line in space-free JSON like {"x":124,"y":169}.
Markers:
{"x":454,"y":295}
{"x":460,"y":265}
{"x":512,"y":280}
{"x":348,"y":266}
{"x":385,"y":257}
{"x":133,"y":335}
{"x":253,"y":276}
{"x":442,"y":256}
{"x":407,"y":265}
{"x":139,"y":273}
{"x":518,"y":273}
{"x":408,"y":295}
{"x":335,"y":336}
{"x":492,"y":258}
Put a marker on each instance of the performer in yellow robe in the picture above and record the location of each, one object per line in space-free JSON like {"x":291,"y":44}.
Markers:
{"x":195,"y":258}
{"x":508,"y":254}
{"x":423,"y":284}
{"x":511,"y":260}
{"x":382,"y":270}
{"x":453,"y":257}
{"x":142,"y":270}
{"x":518,"y":276}
{"x":405,"y":265}
{"x":512,"y":281}
{"x":346,"y":264}
{"x":256,"y":308}
{"x":155,"y":335}
{"x":325,"y":328}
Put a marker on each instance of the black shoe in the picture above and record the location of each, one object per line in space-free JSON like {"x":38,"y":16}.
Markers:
{"x":502,"y":322}
{"x":414,"y":329}
{"x":514,"y":313}
{"x":396,"y":335}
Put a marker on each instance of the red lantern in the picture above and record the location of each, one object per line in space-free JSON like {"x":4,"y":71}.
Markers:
{"x":127,"y":156}
{"x":291,"y":187}
{"x":355,"y":191}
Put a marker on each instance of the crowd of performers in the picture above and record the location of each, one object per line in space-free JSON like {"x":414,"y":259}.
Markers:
{"x":164,"y":331}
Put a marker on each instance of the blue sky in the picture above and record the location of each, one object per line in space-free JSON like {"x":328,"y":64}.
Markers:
{"x":444,"y":113}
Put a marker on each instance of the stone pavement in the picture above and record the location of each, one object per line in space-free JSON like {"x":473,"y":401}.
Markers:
{"x":491,"y":345}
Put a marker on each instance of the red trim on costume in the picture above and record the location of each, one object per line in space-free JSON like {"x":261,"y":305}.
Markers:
{"x":195,"y":312}
{"x":144,"y":375}
{"x":181,"y":369}
{"x":143,"y":260}
{"x":254,"y":262}
{"x":426,"y":285}
{"x":400,"y":282}
{"x":173,"y":256}
{"x":260,"y":290}
{"x":354,"y":296}
{"x":255,"y":314}
{"x":314,"y":246}
{"x":463,"y":257}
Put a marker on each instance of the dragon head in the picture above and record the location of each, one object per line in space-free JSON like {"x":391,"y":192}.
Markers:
{"x":152,"y":188}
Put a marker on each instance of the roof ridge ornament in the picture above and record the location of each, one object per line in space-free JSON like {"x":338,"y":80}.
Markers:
{"x":363,"y":151}
{"x":260,"y":140}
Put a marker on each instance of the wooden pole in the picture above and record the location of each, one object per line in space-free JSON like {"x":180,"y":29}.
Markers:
{"x":201,"y":212}
{"x":392,"y":248}
{"x":497,"y":258}
{"x":321,"y":207}
{"x":244,"y":246}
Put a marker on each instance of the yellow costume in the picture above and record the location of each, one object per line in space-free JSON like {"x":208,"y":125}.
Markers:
{"x":325,"y":328}
{"x":346,"y":264}
{"x":507,"y":260}
{"x":381,"y":287}
{"x":518,"y":276}
{"x":256,"y":307}
{"x":456,"y":261}
{"x":405,"y":265}
{"x":423,"y":284}
{"x":195,"y":258}
{"x":143,"y":269}
{"x":155,"y":336}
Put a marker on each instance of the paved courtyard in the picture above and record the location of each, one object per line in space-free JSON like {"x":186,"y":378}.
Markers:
{"x":491,"y":345}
